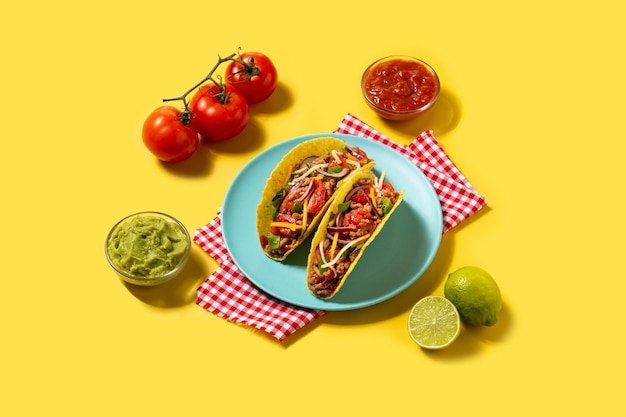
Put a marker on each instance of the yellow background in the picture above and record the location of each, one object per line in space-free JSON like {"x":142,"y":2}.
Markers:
{"x":531,"y":111}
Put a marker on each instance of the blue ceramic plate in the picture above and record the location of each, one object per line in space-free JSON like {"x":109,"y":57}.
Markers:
{"x":392,"y":262}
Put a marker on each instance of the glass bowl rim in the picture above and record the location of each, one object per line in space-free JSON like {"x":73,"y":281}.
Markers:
{"x":160,"y":278}
{"x":395,"y":112}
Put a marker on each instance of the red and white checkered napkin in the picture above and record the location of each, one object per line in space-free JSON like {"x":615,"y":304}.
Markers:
{"x":458,"y":198}
{"x":230,"y":295}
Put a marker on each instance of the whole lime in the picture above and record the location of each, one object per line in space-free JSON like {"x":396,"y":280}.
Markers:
{"x":475,"y":294}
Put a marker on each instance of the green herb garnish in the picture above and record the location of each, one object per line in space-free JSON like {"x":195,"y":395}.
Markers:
{"x":297,"y":207}
{"x":343,"y":206}
{"x":319,"y":265}
{"x":273,"y":240}
{"x":386,"y":203}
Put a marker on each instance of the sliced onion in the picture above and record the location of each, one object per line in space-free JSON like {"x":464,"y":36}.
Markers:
{"x":371,"y":203}
{"x":363,"y":188}
{"x":287,"y":194}
{"x":339,"y":174}
{"x":307,"y":161}
{"x":353,"y":191}
{"x":354,"y":153}
{"x":341,"y":241}
{"x":341,"y":229}
{"x":307,"y":192}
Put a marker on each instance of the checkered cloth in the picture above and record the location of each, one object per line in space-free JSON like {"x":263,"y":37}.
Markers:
{"x":230,"y":295}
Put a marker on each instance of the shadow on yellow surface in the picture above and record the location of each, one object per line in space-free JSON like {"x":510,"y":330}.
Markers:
{"x":425,"y":285}
{"x":280,"y":100}
{"x":443,"y":117}
{"x":473,"y":339}
{"x":178,"y":292}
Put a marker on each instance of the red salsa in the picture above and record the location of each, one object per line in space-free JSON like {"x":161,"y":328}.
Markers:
{"x":400,"y":85}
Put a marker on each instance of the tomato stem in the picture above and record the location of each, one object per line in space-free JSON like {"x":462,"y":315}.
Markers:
{"x":186,"y":115}
{"x":249,"y":69}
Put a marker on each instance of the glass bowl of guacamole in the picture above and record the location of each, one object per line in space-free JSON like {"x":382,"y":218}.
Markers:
{"x":148,"y":248}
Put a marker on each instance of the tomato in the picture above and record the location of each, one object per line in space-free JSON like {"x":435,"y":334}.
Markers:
{"x":357,"y":217}
{"x":333,"y":163}
{"x":318,"y":199}
{"x":387,"y":189}
{"x":218,"y":115}
{"x":284,"y":231}
{"x":167,"y":137}
{"x":256,"y":78}
{"x":359,"y":197}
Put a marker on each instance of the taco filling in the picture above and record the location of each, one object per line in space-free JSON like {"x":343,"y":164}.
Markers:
{"x":348,"y":227}
{"x":295,"y":210}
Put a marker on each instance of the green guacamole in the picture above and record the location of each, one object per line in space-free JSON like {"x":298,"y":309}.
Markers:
{"x":147,"y":246}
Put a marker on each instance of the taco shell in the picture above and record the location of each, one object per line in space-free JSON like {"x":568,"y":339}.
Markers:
{"x":332,"y":211}
{"x":279,"y":178}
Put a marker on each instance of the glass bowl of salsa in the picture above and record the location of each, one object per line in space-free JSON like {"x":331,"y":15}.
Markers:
{"x":400,"y":87}
{"x":148,"y":248}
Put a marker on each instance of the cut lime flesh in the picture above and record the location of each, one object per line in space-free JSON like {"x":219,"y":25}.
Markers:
{"x":434,"y":322}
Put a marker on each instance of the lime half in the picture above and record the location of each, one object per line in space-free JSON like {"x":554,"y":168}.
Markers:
{"x":434,"y":322}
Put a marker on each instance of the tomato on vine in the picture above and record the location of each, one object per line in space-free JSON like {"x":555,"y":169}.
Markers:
{"x":166,"y":134}
{"x":254,"y":75}
{"x":219,"y":112}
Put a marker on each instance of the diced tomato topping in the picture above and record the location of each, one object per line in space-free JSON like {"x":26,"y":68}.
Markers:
{"x":359,"y":197}
{"x":356,"y":217}
{"x":285,"y":231}
{"x":318,"y":199}
{"x":387,"y":189}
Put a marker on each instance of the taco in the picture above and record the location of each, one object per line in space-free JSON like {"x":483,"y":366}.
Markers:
{"x":300,"y":189}
{"x":360,"y":210}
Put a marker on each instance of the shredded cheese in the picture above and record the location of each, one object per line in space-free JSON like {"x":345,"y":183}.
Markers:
{"x":333,"y":246}
{"x":373,"y":196}
{"x":305,"y":214}
{"x":336,"y":156}
{"x":286,"y":225}
{"x":354,"y":162}
{"x":321,"y":248}
{"x":380,"y":180}
{"x":345,"y":248}
{"x":308,"y":171}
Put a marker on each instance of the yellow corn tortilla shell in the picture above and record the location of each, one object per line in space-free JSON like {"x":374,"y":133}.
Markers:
{"x":333,"y":210}
{"x":280,"y":176}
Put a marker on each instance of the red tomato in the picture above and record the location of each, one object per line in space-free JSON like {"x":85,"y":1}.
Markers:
{"x":167,"y":137}
{"x":318,"y":198}
{"x":356,"y":217}
{"x":359,"y":197}
{"x":218,"y":115}
{"x":333,"y":163}
{"x":284,"y":231}
{"x":255,"y":79}
{"x":387,"y":189}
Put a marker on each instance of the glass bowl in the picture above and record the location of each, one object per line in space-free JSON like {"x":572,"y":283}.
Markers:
{"x":148,"y":248}
{"x":400,"y":87}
